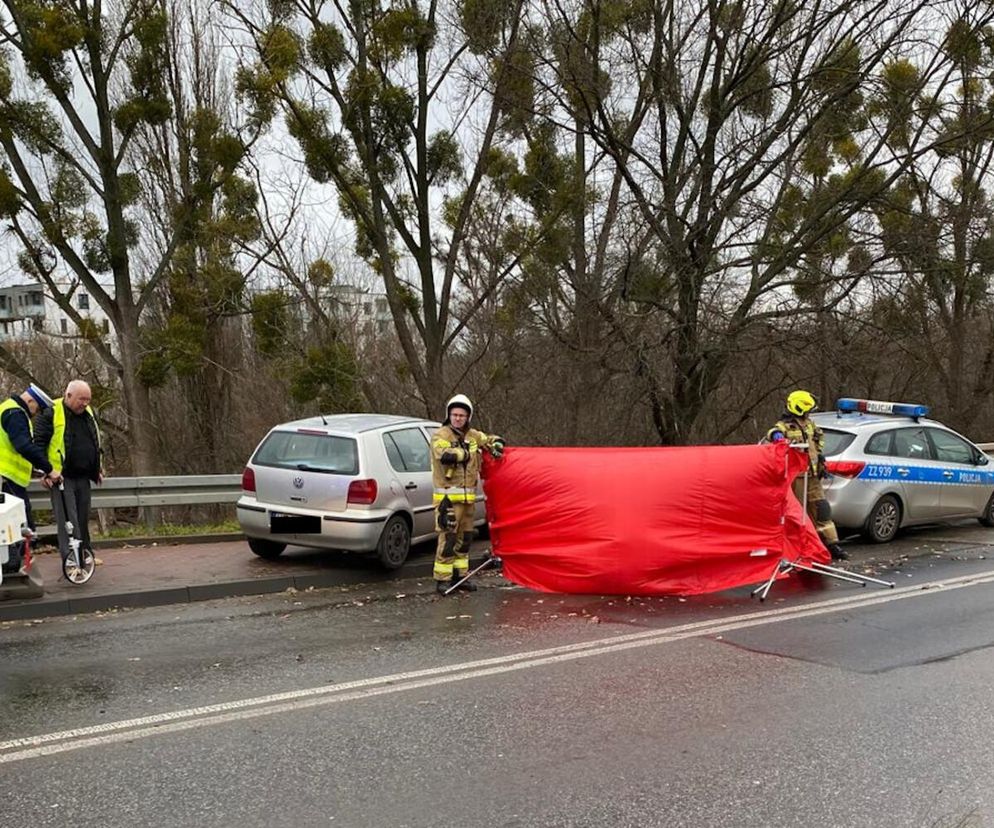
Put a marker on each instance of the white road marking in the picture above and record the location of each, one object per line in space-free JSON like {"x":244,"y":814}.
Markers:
{"x":30,"y":747}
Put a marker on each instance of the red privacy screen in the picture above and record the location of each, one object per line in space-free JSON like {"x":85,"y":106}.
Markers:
{"x":646,"y":521}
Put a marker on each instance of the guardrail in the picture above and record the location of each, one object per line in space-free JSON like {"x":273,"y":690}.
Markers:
{"x":179,"y":490}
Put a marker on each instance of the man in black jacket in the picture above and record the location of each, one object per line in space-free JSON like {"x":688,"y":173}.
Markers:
{"x":69,"y":435}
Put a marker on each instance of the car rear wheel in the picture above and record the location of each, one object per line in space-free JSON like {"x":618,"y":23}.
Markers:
{"x":987,"y":518}
{"x":266,"y":548}
{"x":395,"y":543}
{"x":883,"y":521}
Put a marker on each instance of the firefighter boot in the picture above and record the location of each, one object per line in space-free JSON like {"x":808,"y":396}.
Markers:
{"x":838,"y":553}
{"x":465,"y":586}
{"x":442,"y":586}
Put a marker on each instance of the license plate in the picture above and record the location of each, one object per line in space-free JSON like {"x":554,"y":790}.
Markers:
{"x":284,"y":524}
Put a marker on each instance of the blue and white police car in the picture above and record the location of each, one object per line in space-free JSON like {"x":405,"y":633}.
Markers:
{"x":889,"y":467}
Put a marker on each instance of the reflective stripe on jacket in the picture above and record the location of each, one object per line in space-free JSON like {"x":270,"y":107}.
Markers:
{"x":13,"y":465}
{"x":455,"y":495}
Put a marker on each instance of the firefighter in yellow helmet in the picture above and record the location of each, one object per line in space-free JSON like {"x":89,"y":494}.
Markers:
{"x":456,"y":455}
{"x":796,"y":427}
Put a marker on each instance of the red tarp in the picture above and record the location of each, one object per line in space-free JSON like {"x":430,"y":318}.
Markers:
{"x":646,"y":521}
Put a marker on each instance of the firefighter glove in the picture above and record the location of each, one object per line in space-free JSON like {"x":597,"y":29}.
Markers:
{"x":497,"y":447}
{"x":822,"y":469}
{"x":446,"y":518}
{"x":454,"y":456}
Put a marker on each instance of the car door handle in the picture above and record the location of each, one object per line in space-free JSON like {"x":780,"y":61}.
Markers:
{"x":411,"y":486}
{"x":947,"y":474}
{"x":904,"y":472}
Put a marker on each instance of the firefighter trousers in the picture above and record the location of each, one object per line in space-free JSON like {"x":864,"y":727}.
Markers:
{"x":452,"y":554}
{"x":826,"y":528}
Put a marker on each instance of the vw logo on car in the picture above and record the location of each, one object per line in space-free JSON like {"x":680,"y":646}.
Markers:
{"x":298,"y":482}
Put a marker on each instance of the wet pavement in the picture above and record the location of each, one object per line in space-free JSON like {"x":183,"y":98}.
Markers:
{"x":169,"y":572}
{"x":368,"y":705}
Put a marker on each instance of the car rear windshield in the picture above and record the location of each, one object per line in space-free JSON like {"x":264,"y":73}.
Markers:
{"x":837,"y":442}
{"x":307,"y":451}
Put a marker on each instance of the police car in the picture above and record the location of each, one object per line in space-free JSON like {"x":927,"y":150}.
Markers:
{"x":889,"y":467}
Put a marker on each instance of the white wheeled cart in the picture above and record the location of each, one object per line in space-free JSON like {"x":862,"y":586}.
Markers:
{"x":13,"y":524}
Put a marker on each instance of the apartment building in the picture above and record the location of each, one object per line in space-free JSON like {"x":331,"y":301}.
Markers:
{"x":27,"y":311}
{"x":366,"y":310}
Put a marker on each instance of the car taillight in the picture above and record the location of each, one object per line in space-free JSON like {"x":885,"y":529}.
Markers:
{"x":248,"y":479}
{"x":362,"y":491}
{"x":845,"y":468}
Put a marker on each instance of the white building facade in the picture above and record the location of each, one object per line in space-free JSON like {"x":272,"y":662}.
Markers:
{"x":26,"y":311}
{"x":367,"y":311}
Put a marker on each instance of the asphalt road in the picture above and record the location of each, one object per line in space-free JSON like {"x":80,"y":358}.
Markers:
{"x":829,"y":705}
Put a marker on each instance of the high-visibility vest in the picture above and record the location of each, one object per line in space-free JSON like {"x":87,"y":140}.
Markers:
{"x":13,"y":465}
{"x":57,"y":445}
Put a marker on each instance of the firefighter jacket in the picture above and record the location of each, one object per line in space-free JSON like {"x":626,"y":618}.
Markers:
{"x":801,"y":430}
{"x":455,"y":463}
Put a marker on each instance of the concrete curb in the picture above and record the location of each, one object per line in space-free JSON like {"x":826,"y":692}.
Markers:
{"x":49,"y":538}
{"x":165,"y":540}
{"x":25,"y":610}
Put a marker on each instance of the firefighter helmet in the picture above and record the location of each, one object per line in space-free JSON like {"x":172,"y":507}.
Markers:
{"x":459,"y":401}
{"x":801,"y":402}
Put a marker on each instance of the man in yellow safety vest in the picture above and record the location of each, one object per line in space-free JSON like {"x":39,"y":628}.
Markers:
{"x":70,"y":437}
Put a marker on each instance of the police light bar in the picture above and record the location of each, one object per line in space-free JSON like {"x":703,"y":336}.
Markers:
{"x":848,"y":404}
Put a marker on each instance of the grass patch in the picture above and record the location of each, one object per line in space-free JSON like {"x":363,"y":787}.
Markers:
{"x":170,"y":530}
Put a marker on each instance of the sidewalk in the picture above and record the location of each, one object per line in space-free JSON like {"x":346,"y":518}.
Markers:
{"x":146,"y":576}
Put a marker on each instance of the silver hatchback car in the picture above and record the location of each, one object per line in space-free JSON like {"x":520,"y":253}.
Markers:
{"x":889,"y":467}
{"x":359,"y":482}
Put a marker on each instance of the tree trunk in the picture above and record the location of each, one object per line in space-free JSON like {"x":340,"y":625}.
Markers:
{"x":137,"y":401}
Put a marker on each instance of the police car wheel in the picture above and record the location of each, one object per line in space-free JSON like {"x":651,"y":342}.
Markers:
{"x":987,"y":518}
{"x":883,"y":521}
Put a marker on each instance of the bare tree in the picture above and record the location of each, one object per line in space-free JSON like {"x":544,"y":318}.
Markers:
{"x":78,"y":83}
{"x":936,"y":224}
{"x":752,"y":138}
{"x":408,"y":111}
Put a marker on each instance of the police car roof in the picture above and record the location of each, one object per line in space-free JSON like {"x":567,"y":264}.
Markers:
{"x":859,"y":419}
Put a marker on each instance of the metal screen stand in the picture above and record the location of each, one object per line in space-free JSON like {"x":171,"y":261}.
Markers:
{"x":493,"y":561}
{"x":785,"y":566}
